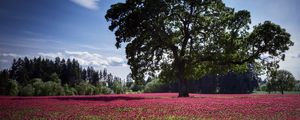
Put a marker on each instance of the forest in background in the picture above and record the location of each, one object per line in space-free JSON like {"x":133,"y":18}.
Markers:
{"x":46,"y":77}
{"x":39,"y":76}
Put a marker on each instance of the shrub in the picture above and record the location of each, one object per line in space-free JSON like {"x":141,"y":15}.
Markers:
{"x":58,"y":89}
{"x":106,"y":90}
{"x":52,"y":88}
{"x":28,"y":90}
{"x":90,"y":90}
{"x":263,"y":88}
{"x":55,"y":78}
{"x":38,"y":86}
{"x":13,"y":87}
{"x":102,"y":89}
{"x":69,"y":90}
{"x":117,"y":87}
{"x":85,"y":88}
{"x":135,"y":87}
{"x":155,"y":86}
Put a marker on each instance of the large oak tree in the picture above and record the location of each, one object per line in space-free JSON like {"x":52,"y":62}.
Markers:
{"x":188,"y":35}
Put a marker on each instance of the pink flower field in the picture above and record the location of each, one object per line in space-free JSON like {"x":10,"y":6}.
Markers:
{"x":153,"y":106}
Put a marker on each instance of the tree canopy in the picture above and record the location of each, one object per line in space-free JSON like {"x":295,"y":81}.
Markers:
{"x":281,"y":80}
{"x":192,"y":38}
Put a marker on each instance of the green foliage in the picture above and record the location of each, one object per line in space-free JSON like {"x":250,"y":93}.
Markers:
{"x":38,"y":85}
{"x":117,"y":87}
{"x":263,"y":88}
{"x":155,"y":86}
{"x":47,"y":88}
{"x":85,"y":88}
{"x":137,"y":87}
{"x":90,"y":90}
{"x":69,"y":90}
{"x":105,"y":90}
{"x":281,"y":80}
{"x":55,"y":78}
{"x":28,"y":90}
{"x":102,"y":89}
{"x":52,"y":88}
{"x":13,"y":89}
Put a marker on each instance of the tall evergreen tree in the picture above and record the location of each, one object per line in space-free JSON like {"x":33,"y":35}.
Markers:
{"x":4,"y":76}
{"x":105,"y":74}
{"x":95,"y":78}
{"x":84,"y":74}
{"x":100,"y":75}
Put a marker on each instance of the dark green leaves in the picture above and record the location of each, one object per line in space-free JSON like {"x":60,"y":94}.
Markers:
{"x":198,"y":34}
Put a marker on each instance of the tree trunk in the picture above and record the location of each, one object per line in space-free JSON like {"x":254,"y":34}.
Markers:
{"x":281,"y":88}
{"x":182,"y":83}
{"x":183,"y":88}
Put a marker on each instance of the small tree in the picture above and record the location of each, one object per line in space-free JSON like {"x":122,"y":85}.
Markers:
{"x":271,"y":86}
{"x":284,"y":80}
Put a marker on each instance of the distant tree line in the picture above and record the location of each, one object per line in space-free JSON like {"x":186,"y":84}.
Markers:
{"x":40,"y":76}
{"x":230,"y":83}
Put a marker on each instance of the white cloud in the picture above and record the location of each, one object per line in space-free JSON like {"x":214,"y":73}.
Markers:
{"x":4,"y":61}
{"x":84,"y":58}
{"x":51,"y":55}
{"x":115,"y":60}
{"x":10,"y":55}
{"x":114,"y":64}
{"x":87,"y":59}
{"x":89,"y":4}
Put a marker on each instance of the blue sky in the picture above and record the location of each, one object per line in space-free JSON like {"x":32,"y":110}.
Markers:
{"x":78,"y":29}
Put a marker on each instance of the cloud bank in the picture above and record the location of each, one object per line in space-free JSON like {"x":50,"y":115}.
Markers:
{"x":116,"y":65}
{"x":89,"y":4}
{"x":84,"y":58}
{"x":87,"y":59}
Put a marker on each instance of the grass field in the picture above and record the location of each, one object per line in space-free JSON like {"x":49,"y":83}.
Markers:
{"x":153,"y":106}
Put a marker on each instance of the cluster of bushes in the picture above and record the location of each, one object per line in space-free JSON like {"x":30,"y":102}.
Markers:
{"x":53,"y":87}
{"x":50,"y":88}
{"x":39,"y":88}
{"x":156,"y":86}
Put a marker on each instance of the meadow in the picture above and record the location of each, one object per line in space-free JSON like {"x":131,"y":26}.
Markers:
{"x":153,"y":106}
